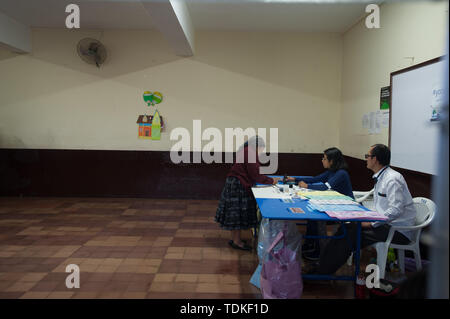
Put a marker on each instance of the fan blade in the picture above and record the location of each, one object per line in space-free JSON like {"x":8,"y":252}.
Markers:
{"x":98,"y":60}
{"x":87,"y":53}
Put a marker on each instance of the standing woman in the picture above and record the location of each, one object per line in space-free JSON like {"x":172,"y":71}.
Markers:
{"x":334,"y":178}
{"x":237,"y":205}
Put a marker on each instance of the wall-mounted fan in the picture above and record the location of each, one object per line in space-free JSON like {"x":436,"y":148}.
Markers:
{"x":91,"y":51}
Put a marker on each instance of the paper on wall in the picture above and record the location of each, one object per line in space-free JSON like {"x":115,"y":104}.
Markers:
{"x":372,"y":120}
{"x":437,"y":101}
{"x":378,"y":120}
{"x":385,"y":119}
{"x":365,"y":121}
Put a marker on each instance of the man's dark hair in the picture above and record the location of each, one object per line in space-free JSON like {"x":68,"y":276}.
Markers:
{"x":382,"y":154}
{"x":335,"y":155}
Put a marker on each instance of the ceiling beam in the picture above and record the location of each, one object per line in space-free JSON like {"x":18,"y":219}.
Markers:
{"x":13,"y":35}
{"x":171,"y":18}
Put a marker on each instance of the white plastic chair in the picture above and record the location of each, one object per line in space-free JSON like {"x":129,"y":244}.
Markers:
{"x":362,"y":196}
{"x":425,"y":209}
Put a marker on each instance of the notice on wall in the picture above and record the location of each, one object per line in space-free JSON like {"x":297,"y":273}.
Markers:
{"x":437,"y":101}
{"x":378,"y":120}
{"x":385,"y":119}
{"x":365,"y":121}
{"x":385,"y":94}
{"x":373,"y":123}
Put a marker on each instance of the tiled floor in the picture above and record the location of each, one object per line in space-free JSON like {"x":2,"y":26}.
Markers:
{"x":126,"y":248}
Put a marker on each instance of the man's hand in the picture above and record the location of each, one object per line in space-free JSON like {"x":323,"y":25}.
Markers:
{"x":302,"y":184}
{"x":275,"y":180}
{"x":366,"y":225}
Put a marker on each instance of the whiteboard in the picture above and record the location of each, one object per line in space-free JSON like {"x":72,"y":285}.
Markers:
{"x":414,"y":136}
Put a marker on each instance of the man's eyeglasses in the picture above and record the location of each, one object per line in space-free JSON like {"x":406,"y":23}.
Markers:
{"x":366,"y":156}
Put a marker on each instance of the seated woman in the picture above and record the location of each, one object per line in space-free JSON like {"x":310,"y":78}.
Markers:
{"x":237,"y":205}
{"x":334,"y":178}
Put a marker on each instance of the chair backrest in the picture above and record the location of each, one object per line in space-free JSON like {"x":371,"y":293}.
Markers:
{"x":363,"y":196}
{"x":425,"y":209}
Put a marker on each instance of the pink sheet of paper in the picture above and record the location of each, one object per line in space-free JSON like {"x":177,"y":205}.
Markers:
{"x":357,"y":214}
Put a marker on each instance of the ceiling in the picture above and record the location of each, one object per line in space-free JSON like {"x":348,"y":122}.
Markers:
{"x":233,"y":15}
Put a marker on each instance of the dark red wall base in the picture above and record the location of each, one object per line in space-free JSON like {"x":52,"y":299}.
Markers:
{"x":150,"y":174}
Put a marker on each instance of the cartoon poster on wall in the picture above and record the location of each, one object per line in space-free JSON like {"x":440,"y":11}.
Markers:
{"x":150,"y":126}
{"x":152,"y":98}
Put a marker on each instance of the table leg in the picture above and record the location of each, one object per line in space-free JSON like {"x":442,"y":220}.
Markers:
{"x":357,"y":252}
{"x":322,"y":231}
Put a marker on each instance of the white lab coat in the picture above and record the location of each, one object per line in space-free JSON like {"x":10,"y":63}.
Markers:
{"x":393,"y":199}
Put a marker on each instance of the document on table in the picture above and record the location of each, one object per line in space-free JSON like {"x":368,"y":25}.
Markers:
{"x":269,"y":192}
{"x":324,"y":195}
{"x":337,"y":208}
{"x":332,"y":201}
{"x":371,"y":215}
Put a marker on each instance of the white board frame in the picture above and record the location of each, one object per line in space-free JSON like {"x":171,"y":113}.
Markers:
{"x":413,"y":138}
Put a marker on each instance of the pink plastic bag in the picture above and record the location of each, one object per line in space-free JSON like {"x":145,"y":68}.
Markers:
{"x":281,"y":277}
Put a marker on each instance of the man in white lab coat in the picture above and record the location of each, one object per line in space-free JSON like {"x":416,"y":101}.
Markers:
{"x":391,"y":197}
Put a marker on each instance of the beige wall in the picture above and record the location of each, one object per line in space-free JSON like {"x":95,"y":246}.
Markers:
{"x":52,"y":99}
{"x":370,"y":55}
{"x":313,"y":87}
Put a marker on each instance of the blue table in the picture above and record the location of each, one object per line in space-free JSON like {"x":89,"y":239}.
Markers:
{"x":276,"y":209}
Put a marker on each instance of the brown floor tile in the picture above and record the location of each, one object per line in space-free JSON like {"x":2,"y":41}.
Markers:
{"x":139,"y":287}
{"x":56,"y":277}
{"x":170,"y":295}
{"x":142,"y":277}
{"x":134,"y":295}
{"x":110,"y":295}
{"x":122,"y":277}
{"x":85,"y":295}
{"x":45,"y":286}
{"x":126,"y":248}
{"x":60,"y":295}
{"x":6,"y":284}
{"x":33,"y":277}
{"x":12,"y":276}
{"x":10,"y":295}
{"x":35,"y":295}
{"x":100,"y":277}
{"x":20,"y":286}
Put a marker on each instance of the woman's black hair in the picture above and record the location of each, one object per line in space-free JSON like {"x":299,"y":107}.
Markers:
{"x":335,"y":155}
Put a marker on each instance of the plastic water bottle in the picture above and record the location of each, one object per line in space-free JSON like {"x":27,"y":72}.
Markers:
{"x":360,"y":292}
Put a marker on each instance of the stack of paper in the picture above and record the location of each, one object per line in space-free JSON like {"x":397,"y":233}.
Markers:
{"x":324,"y":195}
{"x":337,"y":208}
{"x":370,"y":215}
{"x":332,"y":201}
{"x":268,"y":192}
